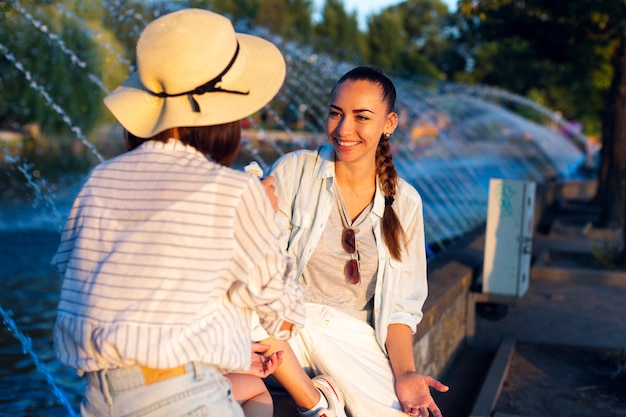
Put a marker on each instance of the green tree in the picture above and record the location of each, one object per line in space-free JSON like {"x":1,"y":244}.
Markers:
{"x":570,"y":48}
{"x":386,"y":40}
{"x":427,"y":24}
{"x":338,"y":32}
{"x":414,"y":39}
{"x":300,"y":26}
{"x":125,"y":23}
{"x":290,"y":19}
{"x":56,"y":53}
{"x":235,"y":9}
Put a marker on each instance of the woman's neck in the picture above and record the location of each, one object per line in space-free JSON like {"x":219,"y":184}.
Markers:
{"x":357,"y":184}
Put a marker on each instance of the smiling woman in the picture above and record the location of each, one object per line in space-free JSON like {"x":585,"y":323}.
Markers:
{"x":350,"y":221}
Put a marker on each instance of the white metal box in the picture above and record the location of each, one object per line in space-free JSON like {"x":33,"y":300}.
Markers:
{"x":508,"y":238}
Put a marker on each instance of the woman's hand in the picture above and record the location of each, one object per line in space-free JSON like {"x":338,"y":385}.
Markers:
{"x":413,"y":391}
{"x":262,"y":365}
{"x":270,"y":190}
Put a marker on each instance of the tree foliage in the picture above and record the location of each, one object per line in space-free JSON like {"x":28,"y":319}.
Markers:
{"x":413,"y":39}
{"x":386,"y":39}
{"x":50,"y":79}
{"x":540,"y":48}
{"x":338,"y":32}
{"x":570,"y":51}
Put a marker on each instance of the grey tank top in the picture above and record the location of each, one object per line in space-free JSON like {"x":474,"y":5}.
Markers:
{"x":323,"y":277}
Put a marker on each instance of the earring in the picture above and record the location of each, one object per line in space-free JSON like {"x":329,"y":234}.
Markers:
{"x":386,"y":135}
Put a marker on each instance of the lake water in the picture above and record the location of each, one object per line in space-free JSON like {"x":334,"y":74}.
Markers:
{"x":29,"y":290}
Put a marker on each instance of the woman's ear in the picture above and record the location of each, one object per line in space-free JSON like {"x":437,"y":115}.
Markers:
{"x":392,"y":122}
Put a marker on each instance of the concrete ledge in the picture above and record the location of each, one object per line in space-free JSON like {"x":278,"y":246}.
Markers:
{"x":486,"y":401}
{"x":441,"y":334}
{"x":596,"y":235}
{"x":545,"y":244}
{"x":450,"y":278}
{"x":546,"y":269}
{"x":574,"y":190}
{"x":552,"y":197}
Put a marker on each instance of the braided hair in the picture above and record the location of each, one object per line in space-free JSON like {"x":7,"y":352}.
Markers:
{"x":393,"y":233}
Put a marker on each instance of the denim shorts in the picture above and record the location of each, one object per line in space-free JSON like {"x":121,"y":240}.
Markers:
{"x":201,"y":391}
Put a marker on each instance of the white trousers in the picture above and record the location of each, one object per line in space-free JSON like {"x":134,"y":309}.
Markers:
{"x":344,"y":348}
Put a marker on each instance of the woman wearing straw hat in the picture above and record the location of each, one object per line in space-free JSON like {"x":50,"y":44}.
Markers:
{"x":357,"y":232}
{"x":166,"y":251}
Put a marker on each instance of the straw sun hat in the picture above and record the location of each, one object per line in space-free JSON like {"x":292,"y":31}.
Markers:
{"x":194,"y":70}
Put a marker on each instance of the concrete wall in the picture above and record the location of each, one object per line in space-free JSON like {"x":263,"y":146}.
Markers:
{"x":443,"y":330}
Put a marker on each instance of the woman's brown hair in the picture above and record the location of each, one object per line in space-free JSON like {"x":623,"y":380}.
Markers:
{"x":219,"y":142}
{"x":393,"y":233}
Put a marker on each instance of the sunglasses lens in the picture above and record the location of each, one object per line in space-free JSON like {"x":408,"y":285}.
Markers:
{"x":348,"y":241}
{"x":351,"y":271}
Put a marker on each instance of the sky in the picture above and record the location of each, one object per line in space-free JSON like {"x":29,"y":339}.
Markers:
{"x":365,"y":8}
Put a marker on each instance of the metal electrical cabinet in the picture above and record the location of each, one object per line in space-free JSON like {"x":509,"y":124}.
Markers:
{"x":508,"y":238}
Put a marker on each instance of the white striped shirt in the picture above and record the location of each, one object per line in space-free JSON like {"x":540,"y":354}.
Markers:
{"x":164,"y":256}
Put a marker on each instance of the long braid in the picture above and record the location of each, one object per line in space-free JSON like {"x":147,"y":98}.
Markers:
{"x":393,"y":233}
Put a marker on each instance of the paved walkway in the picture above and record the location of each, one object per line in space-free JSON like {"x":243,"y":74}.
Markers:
{"x":568,"y":304}
{"x":568,"y":313}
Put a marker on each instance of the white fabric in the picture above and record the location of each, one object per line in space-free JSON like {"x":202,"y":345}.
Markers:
{"x":344,"y":348}
{"x":164,"y":256}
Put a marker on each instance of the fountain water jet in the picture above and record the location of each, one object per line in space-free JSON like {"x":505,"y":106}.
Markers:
{"x":41,"y":367}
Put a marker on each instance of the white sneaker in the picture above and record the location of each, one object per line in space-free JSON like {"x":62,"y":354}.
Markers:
{"x":330,"y":390}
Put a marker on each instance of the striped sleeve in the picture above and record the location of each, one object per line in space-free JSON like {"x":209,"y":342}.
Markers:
{"x":267,"y":281}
